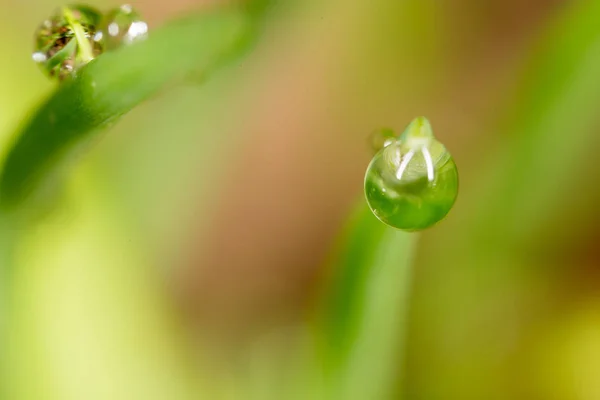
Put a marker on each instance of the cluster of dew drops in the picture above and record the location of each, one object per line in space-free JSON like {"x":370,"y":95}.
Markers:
{"x":76,"y":34}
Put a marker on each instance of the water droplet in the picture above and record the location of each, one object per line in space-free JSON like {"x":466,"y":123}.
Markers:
{"x":381,"y":138}
{"x":412,"y":183}
{"x":123,"y":26}
{"x":67,"y":40}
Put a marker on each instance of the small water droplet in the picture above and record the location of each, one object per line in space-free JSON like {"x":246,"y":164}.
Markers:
{"x":412,"y":183}
{"x":67,"y":40}
{"x":381,"y":138}
{"x":123,"y":26}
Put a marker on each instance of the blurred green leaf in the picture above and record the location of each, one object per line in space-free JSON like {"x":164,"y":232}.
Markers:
{"x":553,"y":131}
{"x":487,"y":278}
{"x":70,"y":118}
{"x":116,"y":82}
{"x":365,"y":309}
{"x":120,"y":338}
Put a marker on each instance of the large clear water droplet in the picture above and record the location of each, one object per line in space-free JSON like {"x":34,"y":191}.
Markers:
{"x":68,"y":40}
{"x":412,"y":184}
{"x":123,"y":26}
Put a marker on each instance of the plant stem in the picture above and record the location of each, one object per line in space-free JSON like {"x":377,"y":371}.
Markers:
{"x":84,"y":50}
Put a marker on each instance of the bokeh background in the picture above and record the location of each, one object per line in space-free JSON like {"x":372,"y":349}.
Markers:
{"x":189,"y":254}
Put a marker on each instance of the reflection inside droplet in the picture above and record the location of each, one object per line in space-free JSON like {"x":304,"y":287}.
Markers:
{"x":39,"y":57}
{"x":137,"y":28}
{"x":412,"y":183}
{"x":113,"y":29}
{"x":68,"y":40}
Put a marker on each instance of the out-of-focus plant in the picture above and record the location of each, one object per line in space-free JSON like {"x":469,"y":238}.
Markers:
{"x":94,"y":98}
{"x":112,"y":85}
{"x":360,"y":329}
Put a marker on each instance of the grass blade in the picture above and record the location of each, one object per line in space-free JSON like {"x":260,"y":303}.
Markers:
{"x":553,"y":131}
{"x":113,"y":84}
{"x":366,"y":309}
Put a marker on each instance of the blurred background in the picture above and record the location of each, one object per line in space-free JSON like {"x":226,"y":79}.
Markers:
{"x":190,"y":253}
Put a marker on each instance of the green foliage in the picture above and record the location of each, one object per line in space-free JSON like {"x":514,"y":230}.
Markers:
{"x":70,"y":119}
{"x":512,"y":204}
{"x":552,"y":131}
{"x":113,"y":84}
{"x":363,"y":314}
{"x":528,"y":203}
{"x":365,"y":303}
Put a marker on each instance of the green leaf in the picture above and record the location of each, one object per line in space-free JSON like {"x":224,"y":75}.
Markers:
{"x":113,"y":84}
{"x":365,"y":309}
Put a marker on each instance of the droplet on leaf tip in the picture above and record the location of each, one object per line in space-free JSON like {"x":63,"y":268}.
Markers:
{"x":381,"y":138}
{"x":412,"y":183}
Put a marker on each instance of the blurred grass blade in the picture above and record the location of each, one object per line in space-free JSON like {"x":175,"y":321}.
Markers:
{"x":554,"y":133}
{"x":365,"y":310}
{"x":116,"y":82}
{"x":509,"y":249}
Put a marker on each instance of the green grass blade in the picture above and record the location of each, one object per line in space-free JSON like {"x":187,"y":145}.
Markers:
{"x":116,"y":82}
{"x":365,"y":309}
{"x":507,"y":253}
{"x":554,"y":129}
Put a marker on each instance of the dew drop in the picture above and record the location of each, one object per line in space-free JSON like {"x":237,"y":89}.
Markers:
{"x":381,"y":138}
{"x":123,"y":26}
{"x":67,"y":40}
{"x":412,"y":183}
